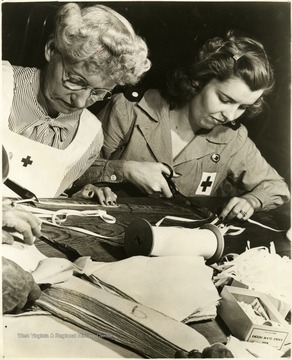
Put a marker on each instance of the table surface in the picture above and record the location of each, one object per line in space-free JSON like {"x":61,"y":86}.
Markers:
{"x":153,"y":209}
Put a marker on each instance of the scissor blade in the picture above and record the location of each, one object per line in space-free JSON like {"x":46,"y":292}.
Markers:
{"x":20,"y":190}
{"x":203,"y":212}
{"x":67,"y":250}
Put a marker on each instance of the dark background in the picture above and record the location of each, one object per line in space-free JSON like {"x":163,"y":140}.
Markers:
{"x":173,"y":32}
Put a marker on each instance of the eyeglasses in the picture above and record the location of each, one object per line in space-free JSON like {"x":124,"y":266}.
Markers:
{"x":77,"y":83}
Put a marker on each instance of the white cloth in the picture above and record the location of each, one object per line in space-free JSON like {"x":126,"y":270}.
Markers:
{"x":176,"y":286}
{"x":49,"y":170}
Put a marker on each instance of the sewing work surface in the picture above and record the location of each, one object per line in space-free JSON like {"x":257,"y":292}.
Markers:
{"x":153,"y":210}
{"x":103,"y":241}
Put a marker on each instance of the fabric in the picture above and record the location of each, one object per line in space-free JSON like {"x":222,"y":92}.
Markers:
{"x":141,"y":132}
{"x":48,"y":154}
{"x":186,"y":278}
{"x":120,"y":320}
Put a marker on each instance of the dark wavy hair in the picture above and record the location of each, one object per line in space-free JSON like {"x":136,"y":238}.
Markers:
{"x":221,"y":59}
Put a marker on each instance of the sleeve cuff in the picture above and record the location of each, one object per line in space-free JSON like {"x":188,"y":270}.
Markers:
{"x":113,"y":171}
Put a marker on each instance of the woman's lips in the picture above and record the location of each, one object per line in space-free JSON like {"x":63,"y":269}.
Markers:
{"x":68,"y":106}
{"x":218,"y":121}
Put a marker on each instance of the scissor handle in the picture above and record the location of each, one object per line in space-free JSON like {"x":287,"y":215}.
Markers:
{"x":168,"y":176}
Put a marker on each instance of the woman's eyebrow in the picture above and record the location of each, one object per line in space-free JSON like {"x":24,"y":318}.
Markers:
{"x":227,"y":96}
{"x":71,"y":71}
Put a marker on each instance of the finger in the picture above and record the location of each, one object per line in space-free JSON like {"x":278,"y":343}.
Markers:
{"x":87,"y":192}
{"x":26,"y":231}
{"x":176,"y":175}
{"x":166,"y":169}
{"x":165,"y":190}
{"x":22,"y":226}
{"x":7,"y":238}
{"x":28,"y":225}
{"x":242,"y":213}
{"x":245,"y":214}
{"x":100,"y":195}
{"x":110,"y":196}
{"x":228,"y":211}
{"x":35,"y":224}
{"x":16,"y":214}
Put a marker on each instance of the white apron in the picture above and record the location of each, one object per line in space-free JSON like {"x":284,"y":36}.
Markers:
{"x":42,"y":169}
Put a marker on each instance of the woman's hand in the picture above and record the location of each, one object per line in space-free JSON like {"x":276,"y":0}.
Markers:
{"x":240,"y":208}
{"x":19,"y":220}
{"x":148,"y":177}
{"x":104,"y":194}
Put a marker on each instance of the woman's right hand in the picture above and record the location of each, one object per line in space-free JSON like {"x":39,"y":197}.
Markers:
{"x":148,"y":177}
{"x":19,"y":220}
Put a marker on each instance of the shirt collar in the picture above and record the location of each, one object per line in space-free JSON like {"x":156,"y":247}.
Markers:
{"x":154,"y":105}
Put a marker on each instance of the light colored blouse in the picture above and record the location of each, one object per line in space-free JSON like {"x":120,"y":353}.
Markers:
{"x":32,"y":120}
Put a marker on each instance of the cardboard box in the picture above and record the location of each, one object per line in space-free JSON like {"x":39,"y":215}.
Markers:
{"x":280,"y":305}
{"x":242,"y":326}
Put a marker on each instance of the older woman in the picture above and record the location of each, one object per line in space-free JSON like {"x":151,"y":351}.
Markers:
{"x":53,"y":139}
{"x":191,"y":126}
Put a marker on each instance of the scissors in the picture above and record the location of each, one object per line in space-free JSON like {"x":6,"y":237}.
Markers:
{"x":182,"y":200}
{"x":24,"y":193}
{"x":20,"y":190}
{"x":65,"y":249}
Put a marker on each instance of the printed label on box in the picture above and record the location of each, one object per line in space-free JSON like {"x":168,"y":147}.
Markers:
{"x":273,"y":338}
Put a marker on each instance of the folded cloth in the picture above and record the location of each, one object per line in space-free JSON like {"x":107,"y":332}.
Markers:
{"x":180,"y":287}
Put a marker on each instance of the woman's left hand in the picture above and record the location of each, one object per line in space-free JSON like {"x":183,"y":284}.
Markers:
{"x":237,"y":207}
{"x":104,"y":194}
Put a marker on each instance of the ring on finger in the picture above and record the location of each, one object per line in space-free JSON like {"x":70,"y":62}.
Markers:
{"x":243,"y":213}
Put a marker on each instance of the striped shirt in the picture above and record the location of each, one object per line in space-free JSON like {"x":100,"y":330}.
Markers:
{"x":59,"y":158}
{"x":29,"y":116}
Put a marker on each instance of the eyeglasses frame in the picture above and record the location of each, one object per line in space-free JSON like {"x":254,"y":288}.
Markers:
{"x":108,"y":93}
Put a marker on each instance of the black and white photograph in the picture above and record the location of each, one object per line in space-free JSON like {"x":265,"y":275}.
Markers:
{"x":146,"y":179}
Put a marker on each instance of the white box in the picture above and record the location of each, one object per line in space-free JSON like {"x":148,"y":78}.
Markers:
{"x":242,"y":326}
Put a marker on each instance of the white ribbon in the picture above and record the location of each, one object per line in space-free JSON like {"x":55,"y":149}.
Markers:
{"x":264,"y":226}
{"x":58,"y":217}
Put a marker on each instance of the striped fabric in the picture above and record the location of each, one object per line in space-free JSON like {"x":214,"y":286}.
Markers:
{"x":60,"y":155}
{"x":32,"y":120}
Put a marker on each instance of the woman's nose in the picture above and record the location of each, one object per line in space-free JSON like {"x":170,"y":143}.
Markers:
{"x":230,"y":112}
{"x":82,"y":98}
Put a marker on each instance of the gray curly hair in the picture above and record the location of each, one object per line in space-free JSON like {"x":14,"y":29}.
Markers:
{"x":103,"y":39}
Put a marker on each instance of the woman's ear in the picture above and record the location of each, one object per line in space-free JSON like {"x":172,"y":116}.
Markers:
{"x":49,"y":49}
{"x":195,"y":84}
